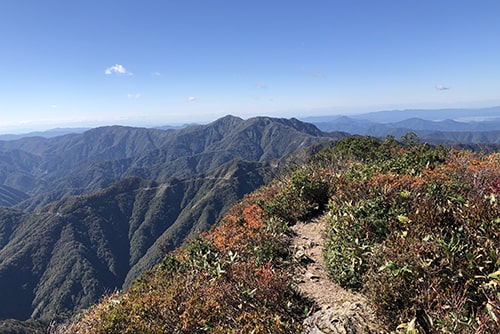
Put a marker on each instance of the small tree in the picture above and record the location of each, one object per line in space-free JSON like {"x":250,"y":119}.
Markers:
{"x":410,"y":139}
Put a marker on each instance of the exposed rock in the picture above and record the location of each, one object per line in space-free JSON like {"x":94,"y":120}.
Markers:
{"x":348,"y":318}
{"x":313,"y":277}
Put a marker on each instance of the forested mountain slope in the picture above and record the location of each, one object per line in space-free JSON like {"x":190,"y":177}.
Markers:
{"x":66,"y":255}
{"x":95,"y":210}
{"x":47,"y":169}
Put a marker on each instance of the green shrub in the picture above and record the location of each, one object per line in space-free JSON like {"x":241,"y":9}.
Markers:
{"x":355,"y":228}
{"x":424,"y":246}
{"x":301,"y":194}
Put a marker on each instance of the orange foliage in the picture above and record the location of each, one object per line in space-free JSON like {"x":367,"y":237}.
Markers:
{"x":390,"y":182}
{"x":235,"y":232}
{"x":254,"y":216}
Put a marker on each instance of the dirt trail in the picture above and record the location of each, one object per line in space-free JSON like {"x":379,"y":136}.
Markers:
{"x":338,"y":310}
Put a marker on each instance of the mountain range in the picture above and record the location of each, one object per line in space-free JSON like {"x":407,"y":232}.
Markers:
{"x":442,"y":126}
{"x":398,"y":115}
{"x":452,"y":125}
{"x":87,"y":213}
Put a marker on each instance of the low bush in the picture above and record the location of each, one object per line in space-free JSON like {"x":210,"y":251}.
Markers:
{"x":300,"y":195}
{"x":422,"y":243}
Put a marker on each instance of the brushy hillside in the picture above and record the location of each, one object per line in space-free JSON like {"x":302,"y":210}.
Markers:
{"x":415,"y":228}
{"x":417,"y":231}
{"x":235,"y":278}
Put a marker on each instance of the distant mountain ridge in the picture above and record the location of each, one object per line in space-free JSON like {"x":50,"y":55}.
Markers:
{"x":471,"y":126}
{"x":56,"y":132}
{"x":47,"y":169}
{"x":445,"y":119}
{"x":458,"y":114}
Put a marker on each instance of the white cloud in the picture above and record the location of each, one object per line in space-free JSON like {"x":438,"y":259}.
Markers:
{"x":441,"y":87}
{"x":134,"y":96}
{"x":117,"y":69}
{"x":192,"y":99}
{"x":156,"y":74}
{"x":53,"y":106}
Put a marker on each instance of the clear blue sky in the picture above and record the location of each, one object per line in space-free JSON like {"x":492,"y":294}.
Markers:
{"x":87,"y":62}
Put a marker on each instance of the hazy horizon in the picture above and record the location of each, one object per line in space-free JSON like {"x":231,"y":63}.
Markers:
{"x":89,"y":125}
{"x":151,"y":63}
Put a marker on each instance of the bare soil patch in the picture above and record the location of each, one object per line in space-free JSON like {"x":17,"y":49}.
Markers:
{"x":337,"y":310}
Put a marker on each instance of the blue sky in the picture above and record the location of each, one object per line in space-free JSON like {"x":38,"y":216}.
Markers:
{"x":88,"y":63}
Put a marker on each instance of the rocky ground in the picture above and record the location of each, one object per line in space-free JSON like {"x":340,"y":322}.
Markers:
{"x":337,"y":310}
